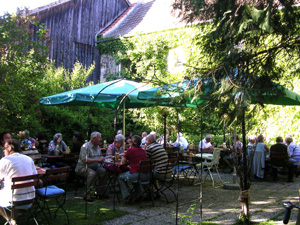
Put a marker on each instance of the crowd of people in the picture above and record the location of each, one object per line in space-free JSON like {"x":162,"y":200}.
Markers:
{"x":131,"y":149}
{"x":283,"y":155}
{"x":127,"y":172}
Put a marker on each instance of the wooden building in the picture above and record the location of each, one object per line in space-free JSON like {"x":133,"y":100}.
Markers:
{"x":74,"y":26}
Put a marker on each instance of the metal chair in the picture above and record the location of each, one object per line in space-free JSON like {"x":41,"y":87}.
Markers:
{"x":212,"y":164}
{"x":147,"y":184}
{"x":167,"y":182}
{"x":19,"y":183}
{"x":55,"y":181}
{"x":184,"y":168}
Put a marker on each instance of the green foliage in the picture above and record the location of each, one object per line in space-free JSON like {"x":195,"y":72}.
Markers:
{"x":27,"y":75}
{"x":144,"y":58}
{"x":67,"y":120}
{"x":22,"y":62}
{"x":255,"y":40}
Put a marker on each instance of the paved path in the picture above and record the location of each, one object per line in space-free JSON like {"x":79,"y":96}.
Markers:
{"x":219,"y":206}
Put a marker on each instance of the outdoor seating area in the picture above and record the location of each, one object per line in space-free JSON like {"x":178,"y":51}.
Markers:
{"x":152,"y":175}
{"x":149,"y":112}
{"x":222,"y":211}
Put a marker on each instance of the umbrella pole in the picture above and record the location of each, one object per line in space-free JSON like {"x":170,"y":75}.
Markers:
{"x":201,"y":171}
{"x":124,"y":123}
{"x":177,"y":170}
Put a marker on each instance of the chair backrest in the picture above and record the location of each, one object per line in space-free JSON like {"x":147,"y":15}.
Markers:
{"x":23,"y":182}
{"x":216,"y":157}
{"x":175,"y":155}
{"x":171,"y":164}
{"x":279,"y":158}
{"x":145,"y":166}
{"x":71,"y":158}
{"x":57,"y":174}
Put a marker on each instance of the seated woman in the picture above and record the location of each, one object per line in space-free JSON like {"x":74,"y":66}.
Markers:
{"x":133,"y":156}
{"x":116,"y":148}
{"x":57,"y":146}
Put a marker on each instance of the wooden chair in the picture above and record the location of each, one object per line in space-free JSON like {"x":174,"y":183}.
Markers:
{"x":19,"y":183}
{"x":55,"y":182}
{"x":280,"y":164}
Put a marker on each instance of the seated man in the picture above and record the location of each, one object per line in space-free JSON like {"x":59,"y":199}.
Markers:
{"x":181,"y":141}
{"x":294,"y":150}
{"x":279,"y":156}
{"x":89,"y":163}
{"x":12,"y":165}
{"x":133,"y":156}
{"x":159,"y":156}
{"x":205,"y":145}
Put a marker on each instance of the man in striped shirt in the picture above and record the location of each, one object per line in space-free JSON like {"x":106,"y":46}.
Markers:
{"x":159,"y":156}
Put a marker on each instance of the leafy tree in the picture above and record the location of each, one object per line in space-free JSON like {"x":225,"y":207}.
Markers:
{"x":22,"y":63}
{"x":247,"y":44}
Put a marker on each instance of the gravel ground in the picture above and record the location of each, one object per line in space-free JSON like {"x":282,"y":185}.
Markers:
{"x":219,"y":205}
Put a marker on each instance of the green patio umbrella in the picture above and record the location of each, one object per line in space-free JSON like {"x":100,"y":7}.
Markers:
{"x":108,"y":95}
{"x":175,"y":94}
{"x":277,"y":95}
{"x":168,"y":94}
{"x":112,"y":94}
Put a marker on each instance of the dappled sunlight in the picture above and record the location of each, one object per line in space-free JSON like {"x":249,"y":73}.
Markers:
{"x":261,"y":202}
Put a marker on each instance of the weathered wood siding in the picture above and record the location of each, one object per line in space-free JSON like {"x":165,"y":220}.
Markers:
{"x":72,"y":28}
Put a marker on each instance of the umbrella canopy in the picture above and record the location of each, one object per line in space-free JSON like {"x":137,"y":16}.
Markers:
{"x":277,"y":95}
{"x":172,"y":94}
{"x":108,"y":95}
{"x":167,"y":95}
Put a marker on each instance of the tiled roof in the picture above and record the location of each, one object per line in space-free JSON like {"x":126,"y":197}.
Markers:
{"x":144,"y":17}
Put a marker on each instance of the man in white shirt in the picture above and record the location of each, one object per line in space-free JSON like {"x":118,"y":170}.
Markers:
{"x":181,"y":141}
{"x":206,"y":145}
{"x":12,"y":165}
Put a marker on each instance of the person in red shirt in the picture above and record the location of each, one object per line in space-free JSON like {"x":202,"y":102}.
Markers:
{"x":133,"y":156}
